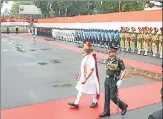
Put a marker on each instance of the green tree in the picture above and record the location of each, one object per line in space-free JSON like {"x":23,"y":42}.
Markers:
{"x":64,"y":8}
{"x":44,"y":7}
{"x":132,"y":6}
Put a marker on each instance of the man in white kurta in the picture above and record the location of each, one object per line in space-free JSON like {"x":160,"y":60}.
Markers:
{"x":88,"y":81}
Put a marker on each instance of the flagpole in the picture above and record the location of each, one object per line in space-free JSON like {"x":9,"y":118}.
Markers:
{"x":120,"y":6}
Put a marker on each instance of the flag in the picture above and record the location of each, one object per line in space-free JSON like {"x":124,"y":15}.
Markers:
{"x":101,"y":4}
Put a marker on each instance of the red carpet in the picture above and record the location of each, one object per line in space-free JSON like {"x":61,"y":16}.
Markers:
{"x":135,"y":97}
{"x":128,"y":62}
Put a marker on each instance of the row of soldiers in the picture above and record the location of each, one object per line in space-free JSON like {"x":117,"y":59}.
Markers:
{"x":64,"y":34}
{"x":47,"y":32}
{"x":100,"y":38}
{"x":146,"y":41}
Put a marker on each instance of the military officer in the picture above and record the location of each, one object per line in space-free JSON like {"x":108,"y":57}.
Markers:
{"x":122,"y":43}
{"x":140,"y":40}
{"x":161,"y":42}
{"x":133,"y":39}
{"x":155,"y":42}
{"x":127,"y":39}
{"x":115,"y":72}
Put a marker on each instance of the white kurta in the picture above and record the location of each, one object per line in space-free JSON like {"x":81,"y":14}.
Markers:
{"x":92,"y":85}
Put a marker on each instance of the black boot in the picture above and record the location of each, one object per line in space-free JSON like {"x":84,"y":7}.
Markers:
{"x":74,"y":105}
{"x":124,"y":110}
{"x":93,"y":105}
{"x":105,"y":113}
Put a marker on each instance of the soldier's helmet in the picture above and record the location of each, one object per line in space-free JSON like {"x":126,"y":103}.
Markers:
{"x":133,"y":29}
{"x":122,"y":29}
{"x":139,"y":28}
{"x":155,"y":29}
{"x":151,"y":29}
{"x":147,"y":28}
{"x":127,"y":29}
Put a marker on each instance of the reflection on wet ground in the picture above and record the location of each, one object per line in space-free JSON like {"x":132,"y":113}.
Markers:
{"x":62,"y":85}
{"x":32,"y":50}
{"x":41,"y":49}
{"x":46,"y":49}
{"x":51,"y":61}
{"x":55,"y":61}
{"x":20,"y":49}
{"x":42,"y":63}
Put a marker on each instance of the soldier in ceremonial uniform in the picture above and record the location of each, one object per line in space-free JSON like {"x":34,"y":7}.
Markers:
{"x":146,"y":41}
{"x":17,"y":30}
{"x":140,"y":40}
{"x":150,"y":35}
{"x":122,"y":39}
{"x":93,"y":37}
{"x":76,"y":36}
{"x":96,"y":37}
{"x":116,"y":41}
{"x":102,"y":38}
{"x":115,"y":72}
{"x":7,"y":30}
{"x":107,"y":38}
{"x":80,"y":36}
{"x":86,"y":35}
{"x":155,"y":42}
{"x":127,"y":39}
{"x":112,"y":34}
{"x":161,"y":43}
{"x":83,"y":35}
{"x":133,"y":39}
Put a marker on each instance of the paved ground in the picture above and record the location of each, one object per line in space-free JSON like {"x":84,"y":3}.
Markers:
{"x":32,"y":73}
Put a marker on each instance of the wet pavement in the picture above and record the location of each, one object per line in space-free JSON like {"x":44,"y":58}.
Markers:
{"x":35,"y":73}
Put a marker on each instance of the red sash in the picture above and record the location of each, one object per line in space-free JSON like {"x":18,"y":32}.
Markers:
{"x":97,"y":74}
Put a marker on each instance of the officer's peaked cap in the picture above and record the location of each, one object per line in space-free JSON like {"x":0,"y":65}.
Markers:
{"x":113,"y":49}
